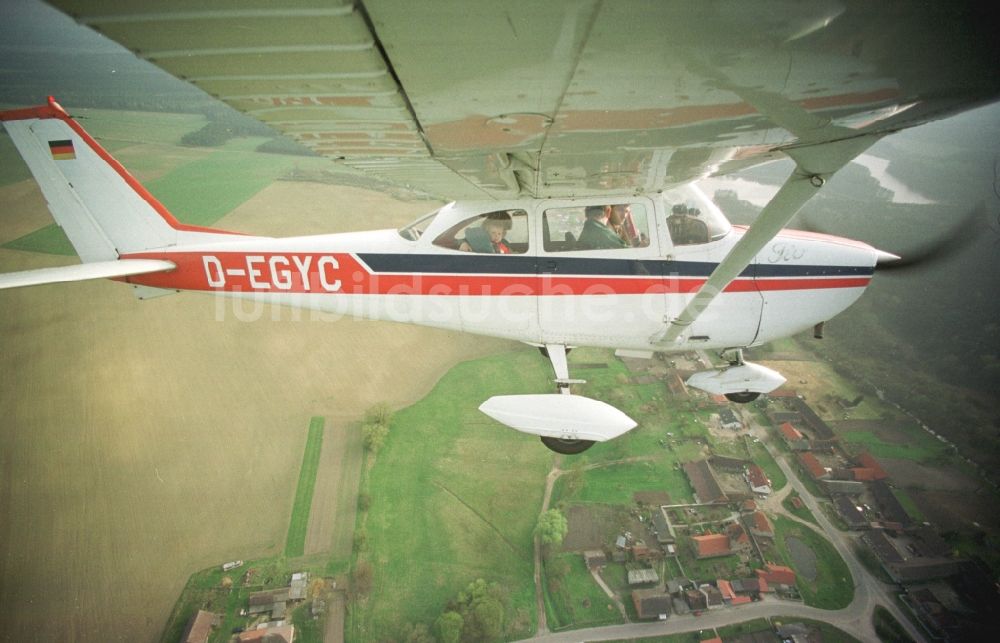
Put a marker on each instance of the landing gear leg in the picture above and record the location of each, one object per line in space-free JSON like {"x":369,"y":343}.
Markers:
{"x":557,"y":355}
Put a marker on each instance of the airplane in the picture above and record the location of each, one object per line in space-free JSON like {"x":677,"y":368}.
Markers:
{"x":571,"y":136}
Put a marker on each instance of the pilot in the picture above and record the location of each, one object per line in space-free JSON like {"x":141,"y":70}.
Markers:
{"x":491,"y":237}
{"x":596,"y":233}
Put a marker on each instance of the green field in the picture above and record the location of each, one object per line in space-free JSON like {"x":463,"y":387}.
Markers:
{"x":833,"y":587}
{"x":920,"y":446}
{"x":575,"y":598}
{"x":454,"y":497}
{"x":802,"y":512}
{"x":299,"y":522}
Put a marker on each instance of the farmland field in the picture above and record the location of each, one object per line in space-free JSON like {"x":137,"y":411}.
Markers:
{"x":142,"y":441}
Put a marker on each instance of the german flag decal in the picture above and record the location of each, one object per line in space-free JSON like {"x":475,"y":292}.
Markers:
{"x":62,"y":150}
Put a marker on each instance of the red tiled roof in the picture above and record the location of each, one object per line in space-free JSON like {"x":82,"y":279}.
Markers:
{"x":777,"y":574}
{"x":726,"y":589}
{"x":812,"y":465}
{"x":757,"y":476}
{"x":869,"y":462}
{"x":761,"y":523}
{"x":865,"y":474}
{"x":790,"y":432}
{"x":736,"y":533}
{"x":741,"y":600}
{"x":711,"y":545}
{"x":749,"y":504}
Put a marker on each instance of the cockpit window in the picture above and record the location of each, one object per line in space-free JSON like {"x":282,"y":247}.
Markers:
{"x":692,"y":218}
{"x":618,"y":226}
{"x":500,"y":232}
{"x":413,"y":231}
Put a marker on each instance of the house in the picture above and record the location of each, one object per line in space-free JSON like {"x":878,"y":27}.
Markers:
{"x":279,"y":634}
{"x":793,"y":437}
{"x":662,"y":528}
{"x":850,"y":513}
{"x":711,"y":545}
{"x":706,"y":487}
{"x":696,"y":600}
{"x":642,"y":577}
{"x":726,"y":589}
{"x":776,"y":575}
{"x":813,"y":467}
{"x":869,"y":469}
{"x":888,"y":504}
{"x":651,"y":604}
{"x":760,"y":525}
{"x":758,"y":480}
{"x":728,"y":420}
{"x":199,"y":628}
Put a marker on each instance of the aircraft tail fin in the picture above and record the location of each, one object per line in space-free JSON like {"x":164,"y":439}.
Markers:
{"x":104,"y":211}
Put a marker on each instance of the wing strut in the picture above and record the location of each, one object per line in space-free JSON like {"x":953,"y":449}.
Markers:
{"x":815,"y":164}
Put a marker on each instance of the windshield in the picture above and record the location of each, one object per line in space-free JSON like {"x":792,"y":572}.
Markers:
{"x":692,"y":218}
{"x":413,"y":231}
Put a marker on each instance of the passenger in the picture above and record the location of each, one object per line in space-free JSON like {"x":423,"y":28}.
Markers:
{"x":490,"y":238}
{"x":621,"y":222}
{"x":596,"y":234}
{"x":685,"y":227}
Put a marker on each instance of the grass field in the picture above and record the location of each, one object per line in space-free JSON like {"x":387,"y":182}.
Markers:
{"x":295,"y":542}
{"x":833,"y":587}
{"x":919,"y":446}
{"x":143,"y":441}
{"x":576,"y":599}
{"x":454,"y":497}
{"x":802,"y":511}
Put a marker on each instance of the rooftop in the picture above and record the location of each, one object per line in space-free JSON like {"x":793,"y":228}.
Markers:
{"x":711,"y":545}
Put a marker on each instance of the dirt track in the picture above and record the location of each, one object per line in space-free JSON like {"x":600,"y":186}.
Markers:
{"x":142,"y":441}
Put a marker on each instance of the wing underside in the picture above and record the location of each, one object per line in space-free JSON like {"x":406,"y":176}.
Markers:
{"x":567,"y":97}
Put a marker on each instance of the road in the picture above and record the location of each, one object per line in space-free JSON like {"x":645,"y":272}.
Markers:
{"x":855,"y":619}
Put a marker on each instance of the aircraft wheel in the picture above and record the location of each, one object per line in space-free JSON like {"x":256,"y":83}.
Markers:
{"x":742,"y":398}
{"x":567,"y":447}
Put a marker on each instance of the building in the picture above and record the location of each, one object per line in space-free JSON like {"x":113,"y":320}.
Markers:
{"x":299,"y":586}
{"x":760,"y":525}
{"x":595,"y":558}
{"x":711,"y":545}
{"x":812,"y":466}
{"x":758,"y":480}
{"x":713,"y":597}
{"x":888,"y":504}
{"x":728,"y":420}
{"x":642,"y":577}
{"x":849,"y":512}
{"x":662,"y":528}
{"x":869,"y":469}
{"x":274,"y":601}
{"x":199,"y":628}
{"x":793,"y":437}
{"x":279,"y":634}
{"x":776,"y":576}
{"x":696,"y":600}
{"x":706,"y":487}
{"x":651,"y":604}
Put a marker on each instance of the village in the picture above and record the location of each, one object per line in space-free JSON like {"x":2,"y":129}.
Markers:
{"x":720,"y":551}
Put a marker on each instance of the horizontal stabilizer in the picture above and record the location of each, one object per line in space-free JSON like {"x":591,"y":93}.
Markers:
{"x":83,"y":272}
{"x":567,"y":417}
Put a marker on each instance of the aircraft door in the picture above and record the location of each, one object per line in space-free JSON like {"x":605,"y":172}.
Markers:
{"x":599,"y":282}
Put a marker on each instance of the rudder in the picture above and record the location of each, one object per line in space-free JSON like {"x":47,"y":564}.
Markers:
{"x":104,"y":211}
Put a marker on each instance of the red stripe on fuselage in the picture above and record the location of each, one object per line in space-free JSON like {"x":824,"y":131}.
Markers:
{"x":342,"y":273}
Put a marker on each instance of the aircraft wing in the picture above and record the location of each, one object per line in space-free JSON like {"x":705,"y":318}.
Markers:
{"x":505,"y":98}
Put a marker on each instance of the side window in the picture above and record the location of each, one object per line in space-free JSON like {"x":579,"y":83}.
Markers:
{"x":500,"y":232}
{"x":596,"y":227}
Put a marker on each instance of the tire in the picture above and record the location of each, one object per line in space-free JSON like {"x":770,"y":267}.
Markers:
{"x":742,"y":398}
{"x":567,"y":447}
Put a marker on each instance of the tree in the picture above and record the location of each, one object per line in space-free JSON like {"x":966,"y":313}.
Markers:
{"x":449,"y":627}
{"x":374,"y":436}
{"x":552,"y":527}
{"x":362,"y":578}
{"x":378,"y":414}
